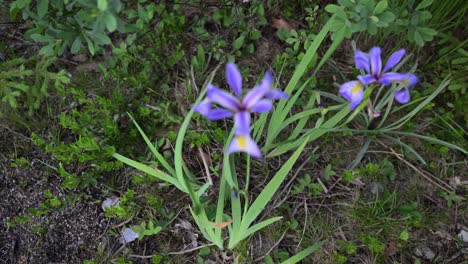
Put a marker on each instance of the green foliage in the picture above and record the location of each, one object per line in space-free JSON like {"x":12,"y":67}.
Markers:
{"x":146,"y":229}
{"x":247,"y":32}
{"x":396,"y":18}
{"x":385,"y":217}
{"x":25,"y":83}
{"x":92,"y":128}
{"x":299,"y":41}
{"x":414,"y":19}
{"x":305,"y":184}
{"x":126,"y":208}
{"x":375,"y":246}
{"x":452,"y":198}
{"x":21,"y":162}
{"x":360,"y":16}
{"x":453,"y":60}
{"x":70,"y":25}
{"x":345,"y":249}
{"x":243,"y":24}
{"x":94,"y":133}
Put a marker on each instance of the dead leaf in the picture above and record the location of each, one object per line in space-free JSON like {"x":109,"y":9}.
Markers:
{"x":222,"y":224}
{"x":281,"y":24}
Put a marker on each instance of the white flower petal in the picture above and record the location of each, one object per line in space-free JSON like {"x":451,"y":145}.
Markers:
{"x":128,"y":235}
{"x":111,"y":201}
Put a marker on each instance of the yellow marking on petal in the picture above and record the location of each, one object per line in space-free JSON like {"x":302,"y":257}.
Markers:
{"x":405,"y":82}
{"x":242,"y":142}
{"x":356,"y":88}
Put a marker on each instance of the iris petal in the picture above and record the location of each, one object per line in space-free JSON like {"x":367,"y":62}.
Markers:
{"x":234,"y":78}
{"x":366,"y":79}
{"x":254,"y":95}
{"x":262,"y":106}
{"x":242,"y":123}
{"x":244,"y":143}
{"x":389,"y":77}
{"x":394,"y":59}
{"x":403,"y":96}
{"x":204,"y":107}
{"x":217,"y":114}
{"x":273,"y":93}
{"x":375,"y":61}
{"x":411,"y":79}
{"x":223,"y":98}
{"x":353,"y":91}
{"x":276,"y":94}
{"x":362,"y":60}
{"x":268,"y":78}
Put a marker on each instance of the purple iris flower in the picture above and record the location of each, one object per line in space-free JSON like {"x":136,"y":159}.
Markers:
{"x":240,"y":107}
{"x":273,"y":92}
{"x":371,"y":63}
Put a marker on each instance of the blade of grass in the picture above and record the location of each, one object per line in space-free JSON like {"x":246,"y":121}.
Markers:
{"x":407,"y":117}
{"x":220,"y":206}
{"x":304,"y":253}
{"x":236,"y":209}
{"x":407,"y":147}
{"x":303,"y":120}
{"x":156,"y":153}
{"x":297,"y":75}
{"x":361,"y":153}
{"x":311,"y":134}
{"x":153,"y":172}
{"x":430,"y":139}
{"x":278,"y":119}
{"x":270,"y":189}
{"x":256,"y":228}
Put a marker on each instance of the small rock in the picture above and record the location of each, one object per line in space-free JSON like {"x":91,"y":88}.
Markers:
{"x":424,"y":252}
{"x":376,"y":187}
{"x":463,"y":235}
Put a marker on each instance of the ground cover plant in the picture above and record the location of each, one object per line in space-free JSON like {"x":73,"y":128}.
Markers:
{"x":233,"y":132}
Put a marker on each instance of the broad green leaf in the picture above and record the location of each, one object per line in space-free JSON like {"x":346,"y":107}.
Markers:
{"x":102,"y":5}
{"x":47,"y":50}
{"x":332,"y":8}
{"x":111,"y":22}
{"x":424,"y":4}
{"x":380,"y":7}
{"x":238,"y":42}
{"x":100,"y":38}
{"x":255,"y":34}
{"x":418,"y":39}
{"x":42,"y":8}
{"x":42,"y":38}
{"x":75,"y":48}
{"x":90,"y":46}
